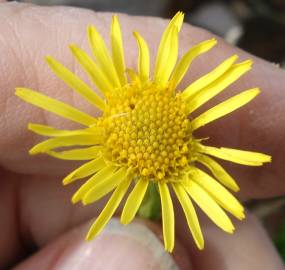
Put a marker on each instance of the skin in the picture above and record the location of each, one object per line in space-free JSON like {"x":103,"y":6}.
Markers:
{"x":36,"y":214}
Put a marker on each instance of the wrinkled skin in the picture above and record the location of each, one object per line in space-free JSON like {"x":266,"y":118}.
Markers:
{"x":35,"y":210}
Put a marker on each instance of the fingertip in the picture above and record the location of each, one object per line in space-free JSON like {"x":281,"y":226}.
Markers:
{"x":117,"y":247}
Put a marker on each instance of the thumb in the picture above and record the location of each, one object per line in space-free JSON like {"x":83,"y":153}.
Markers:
{"x":136,"y":247}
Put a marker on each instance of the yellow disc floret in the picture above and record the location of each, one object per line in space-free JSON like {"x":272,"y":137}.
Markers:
{"x":148,"y":130}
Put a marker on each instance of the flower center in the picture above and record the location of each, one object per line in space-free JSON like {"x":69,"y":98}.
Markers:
{"x":148,"y":130}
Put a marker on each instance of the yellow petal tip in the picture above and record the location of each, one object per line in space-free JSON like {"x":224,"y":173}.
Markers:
{"x":89,"y":237}
{"x":85,"y":202}
{"x":19,"y":91}
{"x":66,"y":181}
{"x":124,"y":220}
{"x":33,"y":151}
{"x":135,"y":34}
{"x":235,"y":188}
{"x":73,"y":48}
{"x":91,"y":29}
{"x":75,"y":199}
{"x":242,"y":216}
{"x":114,"y":18}
{"x":232,"y":230}
{"x":201,"y":247}
{"x":248,"y":63}
{"x":49,"y":59}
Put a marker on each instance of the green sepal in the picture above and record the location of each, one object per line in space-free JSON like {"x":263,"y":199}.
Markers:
{"x":151,"y":206}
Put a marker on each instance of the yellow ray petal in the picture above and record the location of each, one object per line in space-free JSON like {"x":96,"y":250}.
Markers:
{"x":118,"y":49}
{"x":93,"y":71}
{"x":55,"y":106}
{"x":75,"y":83}
{"x":54,"y":132}
{"x":101,"y":53}
{"x":209,"y":78}
{"x":143,"y":58}
{"x":134,"y":201}
{"x":190,"y":214}
{"x":219,"y":172}
{"x":169,"y":58}
{"x":104,"y":187}
{"x":77,"y":154}
{"x":209,"y":206}
{"x":176,"y":21}
{"x":167,"y":216}
{"x":216,"y":87}
{"x":222,"y":196}
{"x":172,"y":58}
{"x":100,"y":176}
{"x":183,"y":65}
{"x":165,"y":45}
{"x":108,"y":210}
{"x":72,"y":140}
{"x":224,"y":108}
{"x":85,"y":170}
{"x":238,"y":156}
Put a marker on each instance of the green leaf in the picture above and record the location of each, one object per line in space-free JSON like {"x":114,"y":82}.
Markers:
{"x":280,"y":241}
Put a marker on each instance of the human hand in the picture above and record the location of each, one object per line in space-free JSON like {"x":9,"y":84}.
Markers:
{"x":37,"y":216}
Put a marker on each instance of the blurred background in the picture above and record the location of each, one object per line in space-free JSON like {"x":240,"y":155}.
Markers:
{"x":258,"y":26}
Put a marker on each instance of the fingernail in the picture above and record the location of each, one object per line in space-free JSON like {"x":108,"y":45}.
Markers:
{"x":119,"y":247}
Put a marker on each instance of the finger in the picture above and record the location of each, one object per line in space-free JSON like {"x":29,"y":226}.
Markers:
{"x":248,"y":248}
{"x":118,"y":247}
{"x":36,"y":213}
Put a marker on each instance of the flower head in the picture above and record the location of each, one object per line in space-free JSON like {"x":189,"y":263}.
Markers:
{"x":144,"y":134}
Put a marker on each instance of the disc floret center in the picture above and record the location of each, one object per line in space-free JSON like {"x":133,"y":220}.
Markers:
{"x":148,"y":130}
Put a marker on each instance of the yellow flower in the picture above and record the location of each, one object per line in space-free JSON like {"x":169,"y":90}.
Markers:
{"x":144,"y":134}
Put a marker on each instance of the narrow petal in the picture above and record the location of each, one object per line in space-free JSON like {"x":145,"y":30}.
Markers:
{"x":218,"y":171}
{"x":100,"y":176}
{"x":77,"y":154}
{"x":224,"y":108}
{"x":167,"y":216}
{"x":237,"y":156}
{"x":169,"y":58}
{"x":216,"y":87}
{"x":222,"y":196}
{"x":172,"y":58}
{"x":134,"y":201}
{"x":209,"y":206}
{"x":183,"y":65}
{"x":118,"y":49}
{"x":75,"y":140}
{"x":190,"y":214}
{"x":105,"y":186}
{"x":85,"y":170}
{"x":54,"y":132}
{"x":209,"y":78}
{"x":75,"y":83}
{"x":165,"y":45}
{"x":143,"y":58}
{"x":94,"y":72}
{"x":109,"y":210}
{"x":55,"y":106}
{"x":100,"y":51}
{"x":176,"y":21}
